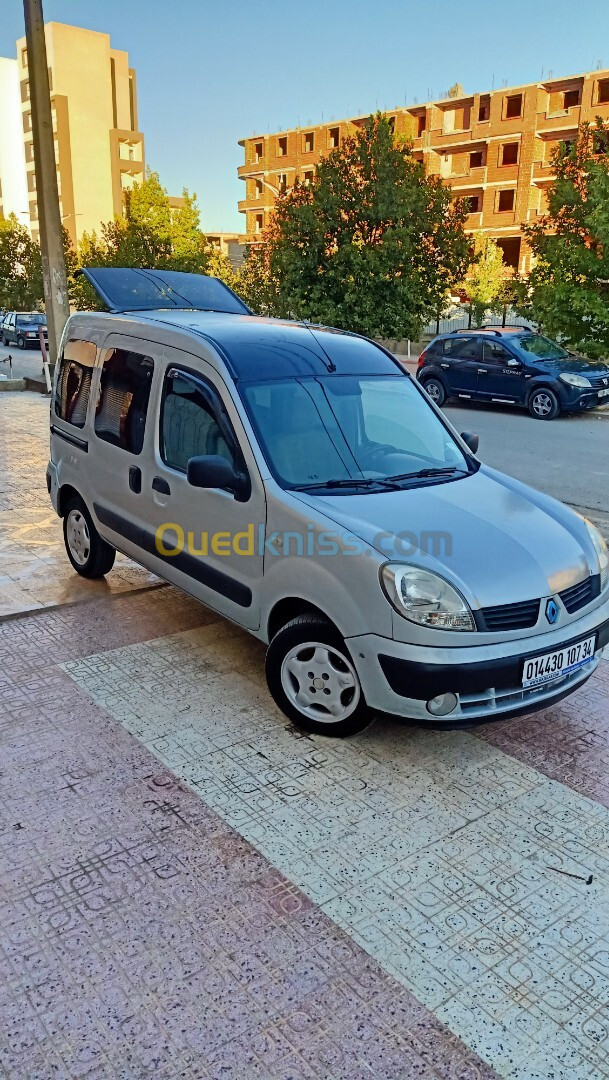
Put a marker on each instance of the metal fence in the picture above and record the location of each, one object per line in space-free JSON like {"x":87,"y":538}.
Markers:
{"x":460,"y":322}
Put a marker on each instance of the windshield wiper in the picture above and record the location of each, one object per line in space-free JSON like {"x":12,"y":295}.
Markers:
{"x":386,"y":483}
{"x":422,"y":473}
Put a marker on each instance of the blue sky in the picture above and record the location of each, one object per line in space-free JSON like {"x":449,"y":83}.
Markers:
{"x":210,"y":73}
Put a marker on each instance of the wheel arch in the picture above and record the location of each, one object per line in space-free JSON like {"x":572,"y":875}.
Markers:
{"x":290,"y":607}
{"x":66,"y":492}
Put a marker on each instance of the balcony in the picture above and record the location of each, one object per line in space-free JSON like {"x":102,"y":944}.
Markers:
{"x":559,"y":120}
{"x":543,"y":170}
{"x":252,"y":168}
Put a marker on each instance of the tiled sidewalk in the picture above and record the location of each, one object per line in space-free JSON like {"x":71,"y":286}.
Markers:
{"x":189,"y":888}
{"x":141,"y":934}
{"x":34,"y":571}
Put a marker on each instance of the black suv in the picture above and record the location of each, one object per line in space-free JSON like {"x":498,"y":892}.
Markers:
{"x":21,"y":327}
{"x":515,"y":365}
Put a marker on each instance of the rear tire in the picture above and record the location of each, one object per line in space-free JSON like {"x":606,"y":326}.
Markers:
{"x":313,"y":680}
{"x":90,"y":556}
{"x":436,"y":391}
{"x":543,"y":404}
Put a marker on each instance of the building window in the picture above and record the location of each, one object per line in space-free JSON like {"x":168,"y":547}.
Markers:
{"x":391,"y":122}
{"x":258,"y":148}
{"x":513,"y":106}
{"x":510,"y":248}
{"x":259,"y":222}
{"x":509,"y":153}
{"x":27,"y":121}
{"x":24,"y":58}
{"x":571,"y":99}
{"x":506,"y":199}
{"x":309,"y":142}
{"x":334,"y":137}
{"x":476,"y":159}
{"x":282,"y":146}
{"x":307,"y":177}
{"x":484,"y":109}
{"x":122,"y":404}
{"x":421,"y":124}
{"x":282,"y":182}
{"x":258,"y":189}
{"x":473,"y":204}
{"x":602,"y":97}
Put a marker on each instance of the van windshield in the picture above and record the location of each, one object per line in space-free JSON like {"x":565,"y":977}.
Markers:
{"x":352,"y":433}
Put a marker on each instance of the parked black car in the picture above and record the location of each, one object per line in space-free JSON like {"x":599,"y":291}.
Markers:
{"x":515,"y":365}
{"x":21,"y":327}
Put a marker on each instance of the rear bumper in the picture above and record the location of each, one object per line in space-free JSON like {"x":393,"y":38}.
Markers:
{"x":400,"y":679}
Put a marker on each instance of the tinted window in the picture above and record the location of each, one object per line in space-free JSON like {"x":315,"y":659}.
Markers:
{"x":74,"y":381}
{"x":120,"y":417}
{"x":189,"y":425}
{"x":494,"y":353}
{"x":461,"y":347}
{"x":146,"y":290}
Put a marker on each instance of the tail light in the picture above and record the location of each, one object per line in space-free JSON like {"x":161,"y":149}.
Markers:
{"x":422,"y":359}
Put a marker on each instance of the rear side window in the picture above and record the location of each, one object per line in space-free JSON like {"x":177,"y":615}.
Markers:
{"x":461,"y":347}
{"x":122,"y":404}
{"x":74,"y":381}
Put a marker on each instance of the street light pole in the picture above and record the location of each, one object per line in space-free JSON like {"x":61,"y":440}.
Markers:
{"x":51,"y":241}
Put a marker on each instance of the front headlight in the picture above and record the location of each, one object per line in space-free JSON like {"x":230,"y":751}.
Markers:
{"x":600,"y":546}
{"x":575,"y":380}
{"x":426,"y":598}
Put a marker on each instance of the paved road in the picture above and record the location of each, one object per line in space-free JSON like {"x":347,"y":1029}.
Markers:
{"x":567,"y":458}
{"x":26,"y":363}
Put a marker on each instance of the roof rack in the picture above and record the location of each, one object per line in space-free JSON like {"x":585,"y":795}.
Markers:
{"x":476,"y":329}
{"x":508,"y":326}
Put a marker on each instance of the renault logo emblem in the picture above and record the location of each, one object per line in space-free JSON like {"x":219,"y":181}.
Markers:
{"x":552,"y":611}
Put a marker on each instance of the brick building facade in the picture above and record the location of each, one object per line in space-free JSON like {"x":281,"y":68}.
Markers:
{"x":494,"y":149}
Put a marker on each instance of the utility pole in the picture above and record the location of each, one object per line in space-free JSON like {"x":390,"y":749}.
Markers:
{"x":51,"y":242}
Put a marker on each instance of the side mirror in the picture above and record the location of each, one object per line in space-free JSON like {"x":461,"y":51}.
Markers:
{"x":214,"y":471}
{"x":471,"y":441}
{"x":513,"y":363}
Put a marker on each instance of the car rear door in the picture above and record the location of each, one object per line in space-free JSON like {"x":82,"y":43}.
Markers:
{"x":460,"y":364}
{"x":500,"y":375}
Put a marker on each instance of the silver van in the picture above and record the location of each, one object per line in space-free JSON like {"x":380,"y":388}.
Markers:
{"x":299,"y":482}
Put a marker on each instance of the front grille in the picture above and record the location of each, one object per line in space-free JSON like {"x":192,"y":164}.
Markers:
{"x":581,"y":594}
{"x":508,"y":616}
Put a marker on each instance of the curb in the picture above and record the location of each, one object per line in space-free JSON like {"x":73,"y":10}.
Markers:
{"x":12,"y":384}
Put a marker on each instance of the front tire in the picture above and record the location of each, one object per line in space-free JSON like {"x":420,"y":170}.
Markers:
{"x":90,"y":556}
{"x":436,"y":391}
{"x":543,"y":404}
{"x":20,"y":342}
{"x":313,"y":680}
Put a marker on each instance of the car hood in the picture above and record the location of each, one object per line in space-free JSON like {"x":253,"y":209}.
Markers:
{"x":580,"y":365}
{"x":496,"y":539}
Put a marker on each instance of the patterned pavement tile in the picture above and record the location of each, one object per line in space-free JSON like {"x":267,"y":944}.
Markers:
{"x":34,"y":570}
{"x":140,"y":934}
{"x":459,"y":869}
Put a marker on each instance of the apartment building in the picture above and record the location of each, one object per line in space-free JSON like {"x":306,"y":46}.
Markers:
{"x":98,"y":147}
{"x":494,"y":149}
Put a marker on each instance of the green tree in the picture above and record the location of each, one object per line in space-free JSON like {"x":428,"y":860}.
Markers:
{"x":485,"y":281}
{"x":152,"y":233}
{"x":220,"y":266}
{"x":21,"y":285}
{"x":567,"y":292}
{"x":371,"y":245}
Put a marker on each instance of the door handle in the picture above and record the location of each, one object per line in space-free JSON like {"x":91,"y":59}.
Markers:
{"x":160,"y":485}
{"x":444,"y":365}
{"x":482,"y":371}
{"x":135,"y":479}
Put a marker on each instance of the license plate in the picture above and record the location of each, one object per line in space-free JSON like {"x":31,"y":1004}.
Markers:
{"x":557,"y":664}
{"x":603,"y":393}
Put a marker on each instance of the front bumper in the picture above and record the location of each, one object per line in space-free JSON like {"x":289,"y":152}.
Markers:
{"x":400,"y":679}
{"x":574,"y":398}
